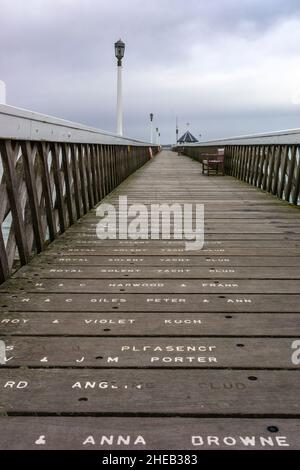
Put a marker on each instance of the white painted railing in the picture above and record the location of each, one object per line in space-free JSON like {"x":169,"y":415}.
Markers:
{"x":289,"y":136}
{"x":52,"y":172}
{"x":269,"y":161}
{"x":21,"y":124}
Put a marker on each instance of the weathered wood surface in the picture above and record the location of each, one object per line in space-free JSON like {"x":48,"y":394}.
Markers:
{"x":184,"y":260}
{"x":150,"y":392}
{"x":216,"y":228}
{"x":153,"y":303}
{"x":147,"y":272}
{"x":165,"y":286}
{"x":288,"y":235}
{"x":90,"y":433}
{"x":148,"y":352}
{"x":157,"y":324}
{"x":205,"y":335}
{"x":207,"y":253}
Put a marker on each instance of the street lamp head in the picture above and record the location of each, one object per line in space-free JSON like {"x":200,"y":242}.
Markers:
{"x":151,"y":116}
{"x":119,"y":51}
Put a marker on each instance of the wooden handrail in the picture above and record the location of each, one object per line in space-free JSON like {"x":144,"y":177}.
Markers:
{"x":272,"y":167}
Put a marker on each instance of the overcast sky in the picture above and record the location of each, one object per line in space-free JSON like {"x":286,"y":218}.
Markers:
{"x":227,"y":67}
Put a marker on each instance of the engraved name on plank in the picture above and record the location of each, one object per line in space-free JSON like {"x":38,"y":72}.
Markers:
{"x":190,"y":300}
{"x":144,"y":284}
{"x":199,"y":441}
{"x":161,"y":350}
{"x":141,"y":260}
{"x":142,"y":438}
{"x":101,"y":321}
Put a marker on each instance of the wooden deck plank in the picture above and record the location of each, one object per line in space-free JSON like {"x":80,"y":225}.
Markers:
{"x":287,"y":235}
{"x":165,"y":392}
{"x":243,"y":353}
{"x":155,"y":303}
{"x":66,"y":251}
{"x":145,"y":325}
{"x":141,"y":433}
{"x":156,"y":286}
{"x":184,"y":260}
{"x":159,"y":272}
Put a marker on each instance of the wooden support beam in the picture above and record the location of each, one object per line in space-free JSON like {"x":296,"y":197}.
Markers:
{"x":8,"y":159}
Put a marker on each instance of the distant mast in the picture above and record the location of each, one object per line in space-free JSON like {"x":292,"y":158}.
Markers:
{"x":176,"y":129}
{"x":2,"y":92}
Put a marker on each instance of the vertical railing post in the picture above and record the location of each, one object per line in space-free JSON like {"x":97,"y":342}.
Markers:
{"x":291,"y":169}
{"x":43,"y":152}
{"x":296,"y":191}
{"x":76,"y":180}
{"x":277,"y":162}
{"x":58,"y":186}
{"x":283,"y":167}
{"x":29,"y":153}
{"x":8,"y":159}
{"x":67,"y":176}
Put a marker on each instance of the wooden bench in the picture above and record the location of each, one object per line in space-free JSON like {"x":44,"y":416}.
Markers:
{"x":213,"y":162}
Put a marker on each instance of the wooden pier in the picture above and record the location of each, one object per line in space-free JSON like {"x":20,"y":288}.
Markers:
{"x":123,"y":344}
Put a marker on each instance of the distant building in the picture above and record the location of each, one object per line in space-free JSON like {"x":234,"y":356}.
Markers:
{"x":187,"y":138}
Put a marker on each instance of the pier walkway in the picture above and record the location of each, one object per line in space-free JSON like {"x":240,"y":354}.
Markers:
{"x":123,"y":344}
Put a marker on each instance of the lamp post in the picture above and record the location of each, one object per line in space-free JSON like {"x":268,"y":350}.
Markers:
{"x":151,"y":128}
{"x":119,"y":53}
{"x":157,"y":135}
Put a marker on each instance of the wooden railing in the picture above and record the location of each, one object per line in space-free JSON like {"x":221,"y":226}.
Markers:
{"x":49,"y":179}
{"x":273,"y":168}
{"x":270,"y":162}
